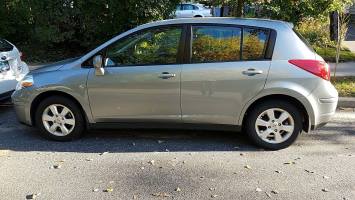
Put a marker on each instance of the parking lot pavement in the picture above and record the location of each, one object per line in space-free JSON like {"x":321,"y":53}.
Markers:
{"x":160,"y":164}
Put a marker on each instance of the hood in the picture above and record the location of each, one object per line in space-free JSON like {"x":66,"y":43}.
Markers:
{"x":52,"y":66}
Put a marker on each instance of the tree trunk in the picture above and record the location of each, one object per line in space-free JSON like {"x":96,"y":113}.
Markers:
{"x":240,"y":7}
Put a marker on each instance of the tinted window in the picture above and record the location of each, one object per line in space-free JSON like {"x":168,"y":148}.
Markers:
{"x":215,"y":44}
{"x":5,"y":46}
{"x":254,"y":43}
{"x":158,"y":46}
{"x":178,"y":7}
{"x":188,"y":7}
{"x":196,"y":8}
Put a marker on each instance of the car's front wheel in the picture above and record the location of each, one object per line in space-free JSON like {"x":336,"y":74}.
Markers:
{"x":274,"y":124}
{"x":60,"y":119}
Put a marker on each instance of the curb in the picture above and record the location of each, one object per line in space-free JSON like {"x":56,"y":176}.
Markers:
{"x":346,"y":102}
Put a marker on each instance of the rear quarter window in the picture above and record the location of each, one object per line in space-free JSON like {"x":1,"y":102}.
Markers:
{"x":254,"y":43}
{"x":5,"y":46}
{"x":304,"y":40}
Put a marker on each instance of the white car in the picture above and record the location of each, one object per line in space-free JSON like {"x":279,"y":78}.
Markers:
{"x":12,"y":68}
{"x":189,"y":10}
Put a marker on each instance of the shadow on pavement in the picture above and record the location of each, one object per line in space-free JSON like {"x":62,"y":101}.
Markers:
{"x":17,"y":137}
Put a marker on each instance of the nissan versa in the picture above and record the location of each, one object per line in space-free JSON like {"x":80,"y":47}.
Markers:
{"x":258,"y":76}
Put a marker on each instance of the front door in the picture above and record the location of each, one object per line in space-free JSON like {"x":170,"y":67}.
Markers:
{"x":141,"y":80}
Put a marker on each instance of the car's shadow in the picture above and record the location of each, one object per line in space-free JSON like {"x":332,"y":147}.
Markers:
{"x":17,"y":137}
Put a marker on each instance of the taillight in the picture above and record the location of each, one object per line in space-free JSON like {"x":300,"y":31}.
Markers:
{"x":22,"y":56}
{"x":316,"y":67}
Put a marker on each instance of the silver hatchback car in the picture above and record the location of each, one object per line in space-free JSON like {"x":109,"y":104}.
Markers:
{"x":254,"y":75}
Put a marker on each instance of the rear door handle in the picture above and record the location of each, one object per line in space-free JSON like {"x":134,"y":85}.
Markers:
{"x":166,"y":75}
{"x":252,"y":72}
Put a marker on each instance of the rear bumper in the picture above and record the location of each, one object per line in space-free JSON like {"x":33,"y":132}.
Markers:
{"x":324,"y":102}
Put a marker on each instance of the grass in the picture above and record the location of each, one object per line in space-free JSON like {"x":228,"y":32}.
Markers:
{"x":345,"y":86}
{"x":329,"y":54}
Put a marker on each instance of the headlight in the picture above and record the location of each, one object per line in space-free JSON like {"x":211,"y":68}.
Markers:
{"x":27,"y":81}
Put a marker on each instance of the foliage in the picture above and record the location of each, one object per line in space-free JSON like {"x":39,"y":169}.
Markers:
{"x":78,"y":25}
{"x":296,"y":11}
{"x":329,"y":54}
{"x":345,"y":86}
{"x":316,"y":31}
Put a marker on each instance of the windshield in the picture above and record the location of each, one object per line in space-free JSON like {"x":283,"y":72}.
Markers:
{"x":304,"y":40}
{"x":5,"y":46}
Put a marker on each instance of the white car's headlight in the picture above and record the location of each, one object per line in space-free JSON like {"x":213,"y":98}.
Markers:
{"x":27,"y":81}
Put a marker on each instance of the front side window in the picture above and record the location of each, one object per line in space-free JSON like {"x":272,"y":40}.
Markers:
{"x":254,"y":43}
{"x":215,"y":44}
{"x":150,"y":47}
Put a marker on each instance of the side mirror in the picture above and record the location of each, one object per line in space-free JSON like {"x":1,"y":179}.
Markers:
{"x":99,"y":69}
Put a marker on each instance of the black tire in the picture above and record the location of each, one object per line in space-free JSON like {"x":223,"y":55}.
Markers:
{"x":252,"y":115}
{"x":79,"y":127}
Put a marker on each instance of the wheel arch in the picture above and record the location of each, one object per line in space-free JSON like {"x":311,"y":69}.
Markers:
{"x":39,"y":98}
{"x":306,"y":123}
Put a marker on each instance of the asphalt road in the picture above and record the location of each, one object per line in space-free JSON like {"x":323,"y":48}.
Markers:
{"x":190,"y":165}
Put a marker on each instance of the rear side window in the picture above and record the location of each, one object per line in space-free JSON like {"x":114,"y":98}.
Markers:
{"x":187,"y":7}
{"x":215,"y":44}
{"x":5,"y":46}
{"x":224,"y":44}
{"x":254,"y":43}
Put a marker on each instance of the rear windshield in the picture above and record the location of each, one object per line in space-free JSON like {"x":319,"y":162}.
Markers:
{"x":5,"y":45}
{"x":304,"y":40}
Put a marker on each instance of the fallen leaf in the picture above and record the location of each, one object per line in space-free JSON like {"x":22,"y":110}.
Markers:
{"x":247,"y":167}
{"x":56,"y":166}
{"x":267,"y":194}
{"x":258,"y":190}
{"x":325,"y":190}
{"x":178,"y":189}
{"x":89,"y":159}
{"x":290,"y":163}
{"x":274,"y":191}
{"x":308,"y":171}
{"x":108,"y":190}
{"x":279,"y":172}
{"x":104,"y":153}
{"x":95,"y":190}
{"x":161,"y":194}
{"x":214,"y":195}
{"x":212,"y":189}
{"x":151,"y":162}
{"x":32,"y":196}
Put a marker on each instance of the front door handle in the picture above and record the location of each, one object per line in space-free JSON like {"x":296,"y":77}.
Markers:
{"x":252,"y":72}
{"x":166,"y":75}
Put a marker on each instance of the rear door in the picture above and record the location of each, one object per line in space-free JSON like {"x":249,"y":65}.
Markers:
{"x":228,"y":65}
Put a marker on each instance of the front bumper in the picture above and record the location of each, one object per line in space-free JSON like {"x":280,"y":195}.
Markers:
{"x":22,"y":109}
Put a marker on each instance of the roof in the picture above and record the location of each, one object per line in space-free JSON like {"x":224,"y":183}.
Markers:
{"x":266,"y":23}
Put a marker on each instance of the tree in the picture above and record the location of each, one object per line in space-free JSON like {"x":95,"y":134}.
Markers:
{"x":343,"y":29}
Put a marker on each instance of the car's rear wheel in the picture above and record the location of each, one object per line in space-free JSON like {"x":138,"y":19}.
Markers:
{"x":60,"y":119}
{"x":274,"y":124}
